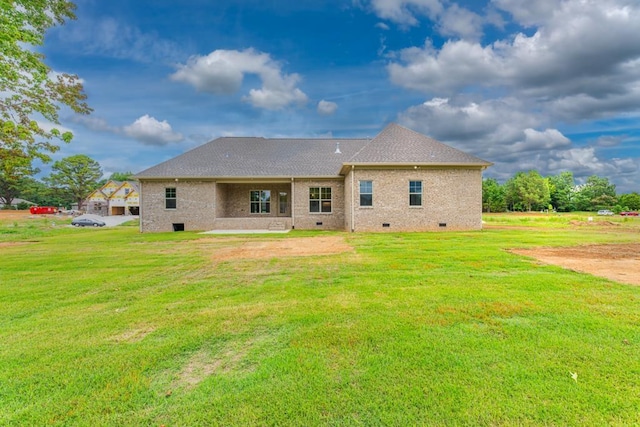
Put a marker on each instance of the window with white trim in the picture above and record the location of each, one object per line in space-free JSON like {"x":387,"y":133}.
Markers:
{"x":170,"y":198}
{"x":320,"y":199}
{"x":260,"y":201}
{"x":415,"y":193}
{"x":366,"y":193}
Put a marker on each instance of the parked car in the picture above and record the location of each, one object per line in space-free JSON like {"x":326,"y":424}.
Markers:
{"x":629,"y":213}
{"x":87,"y":222}
{"x":605,"y":212}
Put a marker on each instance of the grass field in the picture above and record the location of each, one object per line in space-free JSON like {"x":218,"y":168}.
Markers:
{"x":113,"y":327}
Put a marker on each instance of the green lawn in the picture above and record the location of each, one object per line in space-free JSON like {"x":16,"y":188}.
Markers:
{"x":112,"y":327}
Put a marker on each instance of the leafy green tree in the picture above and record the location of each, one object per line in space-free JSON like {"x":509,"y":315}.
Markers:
{"x":596,"y":193}
{"x":117,"y":176}
{"x":122,"y":176}
{"x":631,"y":201}
{"x":41,"y":194}
{"x":30,"y":92}
{"x":23,"y":206}
{"x":604,"y":201}
{"x":561,"y":191}
{"x":493,"y":196}
{"x":76,"y":175}
{"x":14,"y":169}
{"x":526,"y":191}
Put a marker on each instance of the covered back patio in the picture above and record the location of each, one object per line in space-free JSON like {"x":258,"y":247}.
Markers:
{"x":255,"y":205}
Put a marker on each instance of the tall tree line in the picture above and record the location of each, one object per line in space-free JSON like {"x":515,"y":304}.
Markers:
{"x":71,"y":181}
{"x":530,"y":191}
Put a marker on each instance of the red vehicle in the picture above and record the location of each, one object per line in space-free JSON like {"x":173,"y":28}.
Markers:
{"x":628,"y":213}
{"x":39,"y":210}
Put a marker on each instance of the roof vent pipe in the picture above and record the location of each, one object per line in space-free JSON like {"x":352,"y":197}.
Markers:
{"x":338,"y":148}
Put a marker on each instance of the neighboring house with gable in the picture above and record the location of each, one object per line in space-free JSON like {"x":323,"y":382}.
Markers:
{"x":97,"y":203}
{"x":114,"y":198}
{"x":400,"y":180}
{"x":15,"y":202}
{"x":125,"y":200}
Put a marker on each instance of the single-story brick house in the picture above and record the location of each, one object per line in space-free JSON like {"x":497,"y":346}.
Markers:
{"x":400,"y":180}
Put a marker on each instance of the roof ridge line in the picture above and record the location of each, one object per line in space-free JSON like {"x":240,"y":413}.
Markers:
{"x":296,"y":138}
{"x":371,"y":139}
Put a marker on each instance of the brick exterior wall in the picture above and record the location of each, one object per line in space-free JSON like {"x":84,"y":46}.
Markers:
{"x":220,"y":196}
{"x":195,"y":207}
{"x":97,"y":208}
{"x":266,"y":223}
{"x":348,"y":197}
{"x":305,"y":220}
{"x":451,"y":200}
{"x":200,"y":203}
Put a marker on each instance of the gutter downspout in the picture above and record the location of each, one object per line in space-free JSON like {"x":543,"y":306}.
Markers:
{"x":353,"y":217}
{"x":293,"y":204}
{"x":140,"y":204}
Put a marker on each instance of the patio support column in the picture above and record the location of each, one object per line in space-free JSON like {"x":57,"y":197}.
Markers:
{"x":353,"y":214}
{"x":140,"y":204}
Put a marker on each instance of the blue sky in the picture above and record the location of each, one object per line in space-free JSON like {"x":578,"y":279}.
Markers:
{"x":543,"y":84}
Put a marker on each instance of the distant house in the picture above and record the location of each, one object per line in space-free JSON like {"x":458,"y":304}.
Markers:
{"x":400,"y":180}
{"x":114,"y":198}
{"x":15,"y":202}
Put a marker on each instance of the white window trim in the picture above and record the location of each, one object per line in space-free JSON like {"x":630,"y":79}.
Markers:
{"x":320,"y":202}
{"x":421,"y":194}
{"x":170,"y":198}
{"x":259,"y":203}
{"x":360,"y":194}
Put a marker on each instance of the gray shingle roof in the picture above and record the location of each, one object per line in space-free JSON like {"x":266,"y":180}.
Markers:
{"x":134,"y":185}
{"x":233,"y":157}
{"x":398,"y":145}
{"x":259,"y":157}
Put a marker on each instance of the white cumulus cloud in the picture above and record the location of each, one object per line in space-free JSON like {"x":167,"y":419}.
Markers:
{"x":404,"y":12}
{"x":584,"y":58}
{"x":223,"y":71}
{"x":505,"y":101}
{"x":450,"y":18}
{"x":150,"y":131}
{"x":528,"y":13}
{"x":457,"y":21}
{"x":326,"y":108}
{"x":478,"y":127}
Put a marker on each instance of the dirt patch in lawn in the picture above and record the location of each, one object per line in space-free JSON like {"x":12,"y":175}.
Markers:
{"x":230,"y":359}
{"x":9,"y":244}
{"x":134,"y":335}
{"x":294,"y":247}
{"x":620,"y":262}
{"x":594,"y":223}
{"x":11,"y":214}
{"x":603,"y":225}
